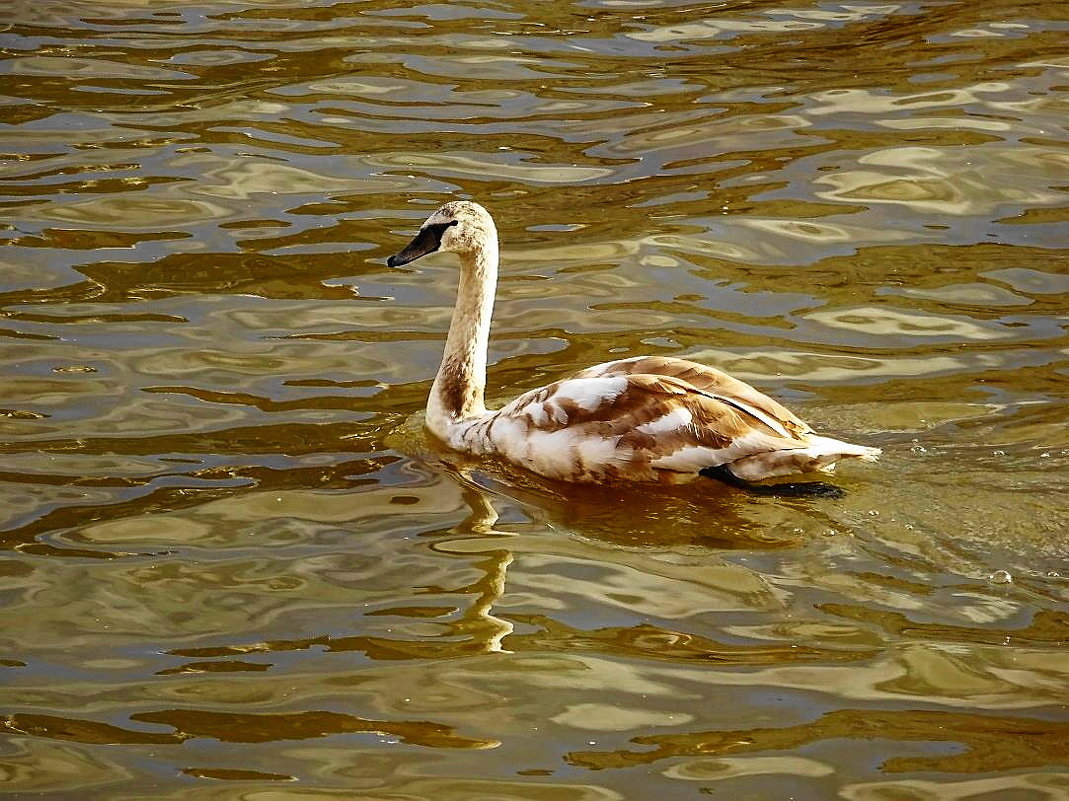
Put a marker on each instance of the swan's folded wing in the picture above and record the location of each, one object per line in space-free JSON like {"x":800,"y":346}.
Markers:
{"x":627,"y":425}
{"x":704,"y":379}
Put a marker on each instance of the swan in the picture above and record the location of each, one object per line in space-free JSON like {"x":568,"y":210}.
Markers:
{"x":641,"y":419}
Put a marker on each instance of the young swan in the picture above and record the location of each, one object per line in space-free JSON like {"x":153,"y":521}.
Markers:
{"x":643,"y":419}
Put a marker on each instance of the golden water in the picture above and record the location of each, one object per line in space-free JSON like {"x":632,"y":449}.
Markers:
{"x":232,"y":567}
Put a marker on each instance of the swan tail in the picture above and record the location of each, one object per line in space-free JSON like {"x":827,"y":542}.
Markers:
{"x":819,"y":454}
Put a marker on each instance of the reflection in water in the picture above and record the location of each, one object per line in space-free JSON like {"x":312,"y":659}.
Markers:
{"x":992,"y":744}
{"x":231,"y":564}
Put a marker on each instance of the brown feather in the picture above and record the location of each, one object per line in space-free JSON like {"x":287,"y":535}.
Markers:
{"x":458,"y":396}
{"x":706,"y":379}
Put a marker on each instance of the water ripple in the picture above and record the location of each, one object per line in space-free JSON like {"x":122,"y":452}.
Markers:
{"x":231,"y":555}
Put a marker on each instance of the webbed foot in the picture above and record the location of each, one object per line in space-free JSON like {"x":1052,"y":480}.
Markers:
{"x":801,"y":489}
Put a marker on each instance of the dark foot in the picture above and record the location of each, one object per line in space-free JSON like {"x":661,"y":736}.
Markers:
{"x":805,"y":489}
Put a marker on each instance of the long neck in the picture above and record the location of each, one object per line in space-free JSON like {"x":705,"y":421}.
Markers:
{"x":459,"y":387}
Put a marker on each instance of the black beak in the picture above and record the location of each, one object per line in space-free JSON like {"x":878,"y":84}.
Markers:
{"x":426,"y":241}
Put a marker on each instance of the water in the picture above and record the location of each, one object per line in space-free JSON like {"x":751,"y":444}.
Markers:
{"x":233,"y":566}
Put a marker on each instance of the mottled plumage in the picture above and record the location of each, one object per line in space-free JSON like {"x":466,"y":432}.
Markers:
{"x":647,"y":418}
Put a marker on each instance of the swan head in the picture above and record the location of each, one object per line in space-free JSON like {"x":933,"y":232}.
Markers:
{"x":460,"y":226}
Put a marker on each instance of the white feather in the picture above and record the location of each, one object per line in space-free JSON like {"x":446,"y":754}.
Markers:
{"x":538,"y":413}
{"x":693,"y":458}
{"x":678,"y":418}
{"x":826,"y":446}
{"x":590,"y":393}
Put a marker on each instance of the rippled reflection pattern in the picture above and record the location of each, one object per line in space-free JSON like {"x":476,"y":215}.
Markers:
{"x":234,"y":568}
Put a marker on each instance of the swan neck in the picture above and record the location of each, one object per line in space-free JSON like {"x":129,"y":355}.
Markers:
{"x":459,"y":388}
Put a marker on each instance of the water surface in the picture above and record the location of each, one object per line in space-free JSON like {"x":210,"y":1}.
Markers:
{"x":234,"y":568}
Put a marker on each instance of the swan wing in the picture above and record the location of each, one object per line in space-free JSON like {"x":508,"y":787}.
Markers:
{"x":632,"y":426}
{"x":708,"y":380}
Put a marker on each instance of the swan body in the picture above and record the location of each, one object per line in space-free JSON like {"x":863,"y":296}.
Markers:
{"x":643,"y":419}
